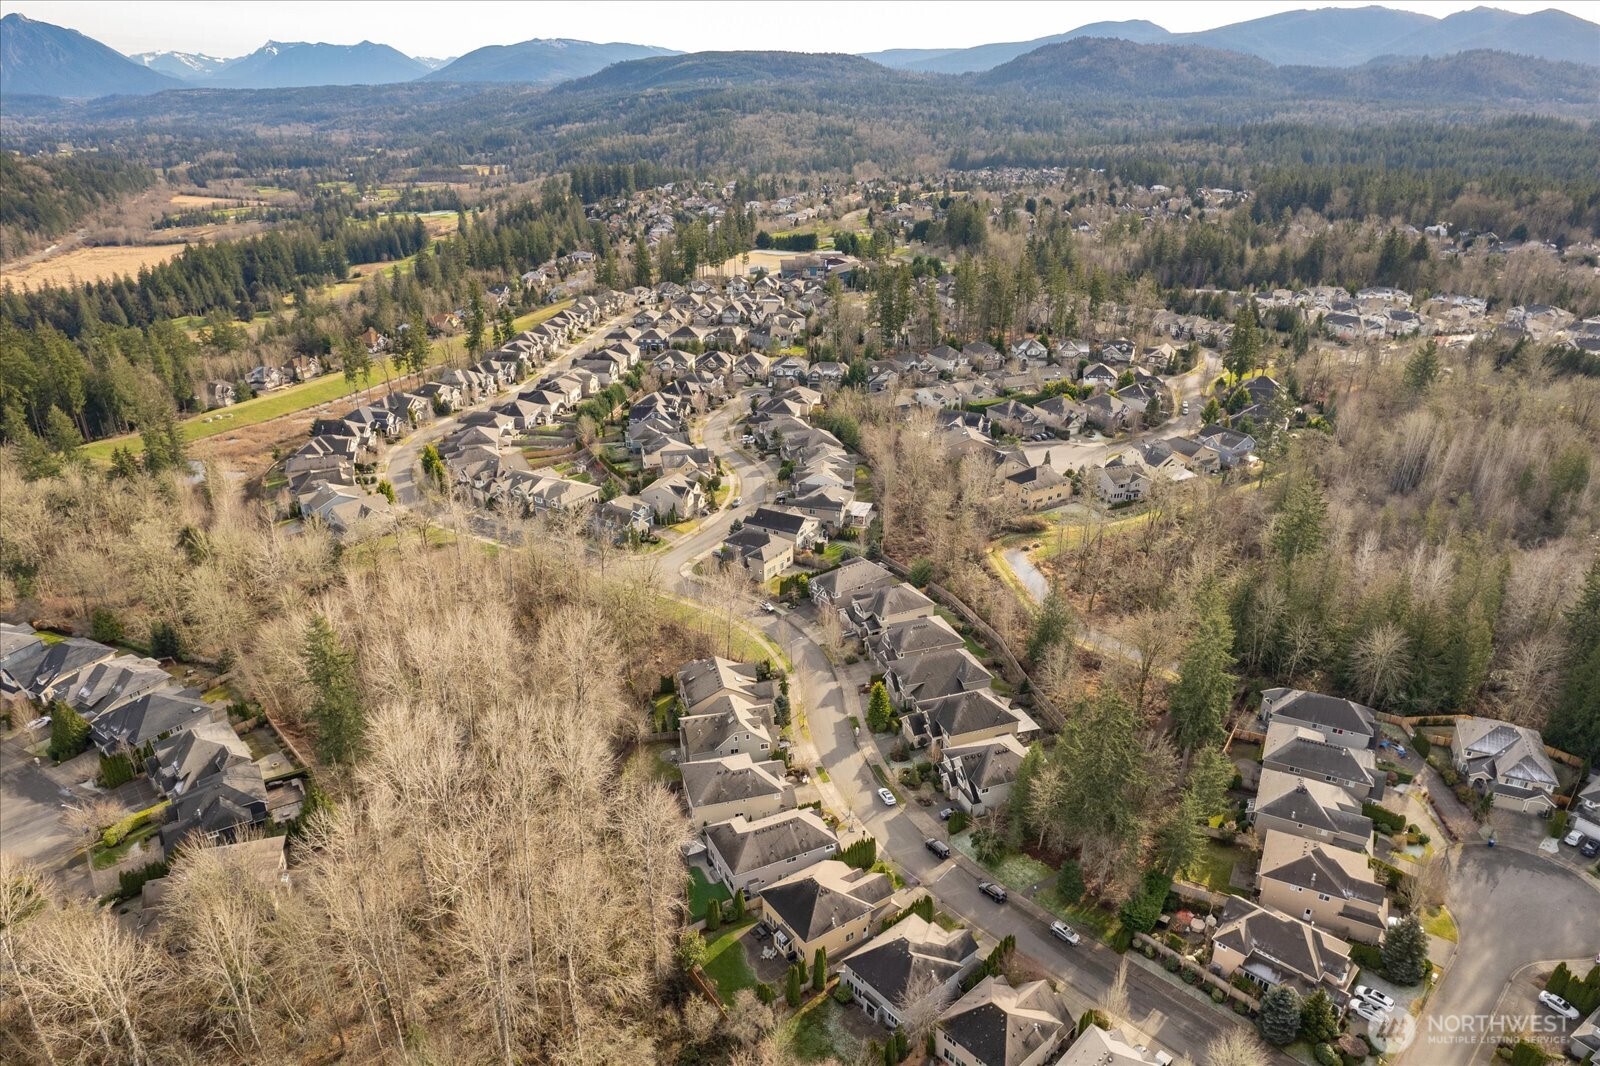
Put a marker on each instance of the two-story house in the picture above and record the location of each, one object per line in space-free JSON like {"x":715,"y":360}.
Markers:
{"x":748,"y":855}
{"x":1330,"y":887}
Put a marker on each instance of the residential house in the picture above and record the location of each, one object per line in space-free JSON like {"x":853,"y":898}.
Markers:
{"x":21,"y":651}
{"x":1329,"y":887}
{"x":763,"y":554}
{"x":153,"y":716}
{"x":912,"y":636}
{"x":798,"y":529}
{"x":966,"y":718}
{"x":996,"y":1024}
{"x":217,"y":807}
{"x":1098,"y":1047}
{"x":978,"y":777}
{"x":1271,"y":948}
{"x":925,"y":678}
{"x":1338,"y":721}
{"x":1315,"y":810}
{"x":265,"y":379}
{"x":1304,"y":753}
{"x":717,"y":790}
{"x":1506,"y":760}
{"x":1233,"y":448}
{"x":1106,"y":412}
{"x":748,"y":855}
{"x":114,"y":682}
{"x":177,"y":762}
{"x":1121,"y":484}
{"x":1039,"y":488}
{"x":874,"y":612}
{"x":57,"y":666}
{"x":853,"y":579}
{"x":674,"y":498}
{"x":914,"y":953}
{"x":220,"y":394}
{"x":625,"y":516}
{"x":703,"y":680}
{"x":831,"y":906}
{"x":731,"y":724}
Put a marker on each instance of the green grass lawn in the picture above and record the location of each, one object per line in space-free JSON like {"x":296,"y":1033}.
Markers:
{"x":103,"y":858}
{"x":1441,"y":924}
{"x":746,"y":646}
{"x":702,"y":892}
{"x":1212,"y":867}
{"x":817,"y":1033}
{"x":726,"y":964}
{"x":651,"y":759}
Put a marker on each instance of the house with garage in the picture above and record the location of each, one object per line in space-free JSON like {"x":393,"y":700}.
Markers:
{"x":1329,"y":887}
{"x":913,"y":953}
{"x":998,"y":1024}
{"x":977,"y":777}
{"x":871,"y":614}
{"x":218,"y":807}
{"x":762,"y":554}
{"x":1315,"y":810}
{"x":966,"y":718}
{"x":831,"y":905}
{"x":1507,"y":761}
{"x":180,"y":761}
{"x":800,"y":530}
{"x":911,"y":636}
{"x":21,"y":651}
{"x":151,"y":717}
{"x":749,"y":854}
{"x":1271,"y":948}
{"x":1338,"y":721}
{"x":717,"y":790}
{"x":920,"y":680}
{"x":1100,"y":1047}
{"x":1121,"y":484}
{"x":1038,"y":488}
{"x":114,"y":682}
{"x":855,"y":578}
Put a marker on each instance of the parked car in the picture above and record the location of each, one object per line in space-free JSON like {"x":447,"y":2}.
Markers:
{"x":1372,"y":995}
{"x":1372,"y":1012}
{"x":1559,"y":1005}
{"x":737,"y":501}
{"x":944,"y":815}
{"x":1063,"y":931}
{"x":767,"y":605}
{"x":747,"y":439}
{"x":887,"y":797}
{"x":1573,"y":839}
{"x":1589,"y":848}
{"x":938,"y":847}
{"x":993,"y":891}
{"x":1185,"y":408}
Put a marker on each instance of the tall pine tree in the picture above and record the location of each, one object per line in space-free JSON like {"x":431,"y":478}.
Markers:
{"x":1200,"y":699}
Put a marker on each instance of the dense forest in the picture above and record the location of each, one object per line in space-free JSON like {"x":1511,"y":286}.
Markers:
{"x":48,"y":196}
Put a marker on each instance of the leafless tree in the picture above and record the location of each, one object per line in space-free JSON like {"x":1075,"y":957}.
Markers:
{"x":1114,"y":1002}
{"x":23,"y":899}
{"x":1237,"y":1046}
{"x":923,"y":1001}
{"x":1379,"y":661}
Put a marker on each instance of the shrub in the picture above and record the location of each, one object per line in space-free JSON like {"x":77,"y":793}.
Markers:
{"x":116,"y":770}
{"x":843,"y":995}
{"x":1326,"y":1055}
{"x":165,"y":641}
{"x":1092,"y":1017}
{"x":118,"y":831}
{"x":1172,"y":964}
{"x":1386,"y":820}
{"x":105,"y":627}
{"x":1141,"y":912}
{"x":1366,"y":956}
{"x":1420,"y":744}
{"x":713,"y":916}
{"x":1560,"y":982}
{"x":766,"y":993}
{"x":921,"y":572}
{"x":959,"y":822}
{"x":1526,"y":1054}
{"x":1218,"y":995}
{"x":131,"y":882}
{"x":862,"y":854}
{"x":1149,"y":951}
{"x":791,"y":992}
{"x":1558,"y":824}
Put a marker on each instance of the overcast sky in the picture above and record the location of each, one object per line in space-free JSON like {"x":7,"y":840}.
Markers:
{"x":438,"y":29}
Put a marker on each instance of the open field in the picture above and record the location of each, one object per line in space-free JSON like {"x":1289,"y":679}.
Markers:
{"x":758,"y":258}
{"x":184,"y":199}
{"x":90,"y":264}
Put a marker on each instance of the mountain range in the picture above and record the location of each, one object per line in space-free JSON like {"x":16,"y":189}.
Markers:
{"x":41,"y":59}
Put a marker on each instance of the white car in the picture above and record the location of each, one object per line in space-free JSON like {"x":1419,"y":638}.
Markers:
{"x":1062,"y":931}
{"x":1559,"y":1005}
{"x":767,"y":605}
{"x":1573,"y":839}
{"x":1372,"y":995}
{"x":887,"y":797}
{"x":737,"y":501}
{"x":1372,"y":1012}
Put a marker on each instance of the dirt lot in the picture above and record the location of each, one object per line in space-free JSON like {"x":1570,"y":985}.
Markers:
{"x":90,"y":264}
{"x":185,"y":199}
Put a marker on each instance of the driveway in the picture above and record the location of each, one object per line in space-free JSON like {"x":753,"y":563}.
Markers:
{"x":33,"y":799}
{"x":1513,"y":909}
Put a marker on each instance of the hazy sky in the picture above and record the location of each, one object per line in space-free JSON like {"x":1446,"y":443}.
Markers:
{"x":438,"y":29}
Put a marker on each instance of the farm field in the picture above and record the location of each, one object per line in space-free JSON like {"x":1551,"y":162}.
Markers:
{"x":90,"y":264}
{"x":185,"y":199}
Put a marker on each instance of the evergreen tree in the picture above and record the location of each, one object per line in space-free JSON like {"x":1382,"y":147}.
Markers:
{"x":69,"y":732}
{"x":1204,"y":689}
{"x":641,"y":264}
{"x":1300,"y":528}
{"x":1319,"y":1022}
{"x":819,"y":970}
{"x":791,"y":992}
{"x":1210,"y":412}
{"x":1405,"y":952}
{"x":1422,"y":369}
{"x":738,"y":907}
{"x":1244,"y":347}
{"x":475,"y":317}
{"x":1574,"y":723}
{"x":1279,"y":1020}
{"x":1051,"y":626}
{"x":879,"y":713}
{"x":336,"y":710}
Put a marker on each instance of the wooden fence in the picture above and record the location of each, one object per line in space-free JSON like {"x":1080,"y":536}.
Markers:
{"x":1141,"y":940}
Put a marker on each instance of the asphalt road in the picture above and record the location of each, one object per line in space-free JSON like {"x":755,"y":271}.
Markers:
{"x":1514,"y":909}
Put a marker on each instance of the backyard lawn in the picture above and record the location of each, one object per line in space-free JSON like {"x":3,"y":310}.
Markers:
{"x":1213,"y":867}
{"x":817,"y":1033}
{"x":726,"y":965}
{"x":1442,"y":924}
{"x":702,"y":892}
